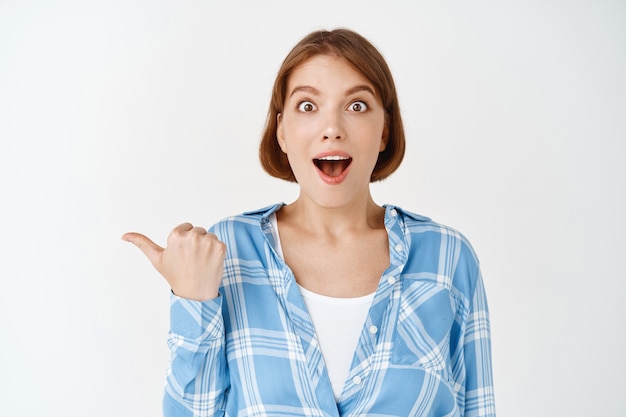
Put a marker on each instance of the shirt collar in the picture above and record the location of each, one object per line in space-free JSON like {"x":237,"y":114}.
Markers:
{"x":392,"y":211}
{"x":265,"y":212}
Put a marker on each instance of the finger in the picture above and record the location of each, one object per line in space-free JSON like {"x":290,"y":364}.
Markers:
{"x":199,"y":230}
{"x":148,"y":247}
{"x":181,"y":228}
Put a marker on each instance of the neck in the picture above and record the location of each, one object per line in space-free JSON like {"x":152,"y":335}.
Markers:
{"x":357,"y":216}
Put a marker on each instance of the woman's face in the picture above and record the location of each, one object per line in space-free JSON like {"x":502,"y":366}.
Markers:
{"x":332,"y":129}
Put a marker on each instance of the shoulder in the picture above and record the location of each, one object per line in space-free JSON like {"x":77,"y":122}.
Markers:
{"x":247,"y":218}
{"x":420,"y":227}
{"x":440,"y":249}
{"x":249,"y":224}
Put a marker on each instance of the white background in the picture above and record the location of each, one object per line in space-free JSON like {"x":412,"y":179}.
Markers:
{"x":139,"y":115}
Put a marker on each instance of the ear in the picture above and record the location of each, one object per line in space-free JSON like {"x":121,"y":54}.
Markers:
{"x":385,"y":137}
{"x":279,"y":132}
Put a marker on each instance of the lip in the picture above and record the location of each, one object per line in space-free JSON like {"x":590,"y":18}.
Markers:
{"x":327,"y":178}
{"x":332,"y":153}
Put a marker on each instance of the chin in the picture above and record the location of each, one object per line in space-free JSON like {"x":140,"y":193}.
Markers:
{"x":335,"y":197}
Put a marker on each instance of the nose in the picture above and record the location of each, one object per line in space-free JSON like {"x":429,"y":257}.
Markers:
{"x":333,"y":127}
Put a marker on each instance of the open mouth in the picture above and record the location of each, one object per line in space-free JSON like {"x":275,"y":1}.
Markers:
{"x":332,"y":166}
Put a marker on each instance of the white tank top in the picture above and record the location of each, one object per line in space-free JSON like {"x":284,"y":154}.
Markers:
{"x":338,"y":324}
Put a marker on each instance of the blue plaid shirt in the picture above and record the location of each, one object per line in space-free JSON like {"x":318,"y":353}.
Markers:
{"x":424,"y":349}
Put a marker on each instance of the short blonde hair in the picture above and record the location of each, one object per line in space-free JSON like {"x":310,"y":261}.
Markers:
{"x":366,"y":59}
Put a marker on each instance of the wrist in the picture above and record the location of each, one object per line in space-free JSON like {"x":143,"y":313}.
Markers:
{"x":196,"y":296}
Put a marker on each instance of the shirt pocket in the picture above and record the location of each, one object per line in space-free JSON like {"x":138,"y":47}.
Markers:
{"x":422,"y":337}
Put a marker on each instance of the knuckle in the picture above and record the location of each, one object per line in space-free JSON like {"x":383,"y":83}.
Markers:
{"x":217,"y":246}
{"x":183,"y":228}
{"x":199,"y":231}
{"x":180,"y":231}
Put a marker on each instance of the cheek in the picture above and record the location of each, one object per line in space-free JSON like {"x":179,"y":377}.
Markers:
{"x":297,"y":135}
{"x":373,"y":133}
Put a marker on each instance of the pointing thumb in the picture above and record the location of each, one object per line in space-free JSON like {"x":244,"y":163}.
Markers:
{"x":148,"y":247}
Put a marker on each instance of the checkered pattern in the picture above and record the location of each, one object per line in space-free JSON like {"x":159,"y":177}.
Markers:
{"x":253,"y":350}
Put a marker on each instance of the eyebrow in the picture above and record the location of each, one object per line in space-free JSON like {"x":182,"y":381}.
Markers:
{"x":315,"y":91}
{"x":305,"y":89}
{"x":360,"y":88}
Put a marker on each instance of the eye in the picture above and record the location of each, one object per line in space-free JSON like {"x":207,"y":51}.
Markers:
{"x":306,"y":106}
{"x":358,"y":106}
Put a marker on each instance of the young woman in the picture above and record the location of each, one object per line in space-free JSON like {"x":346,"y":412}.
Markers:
{"x":331,"y":305}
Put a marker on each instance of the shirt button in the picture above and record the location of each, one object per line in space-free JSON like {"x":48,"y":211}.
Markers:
{"x":393,"y":212}
{"x":399,"y":247}
{"x":373,"y":329}
{"x":356,"y":380}
{"x":391,"y":280}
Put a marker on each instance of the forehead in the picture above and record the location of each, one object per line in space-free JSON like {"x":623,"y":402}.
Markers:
{"x":326,"y":72}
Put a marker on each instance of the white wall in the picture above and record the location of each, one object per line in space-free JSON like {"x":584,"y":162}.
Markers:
{"x":139,"y":115}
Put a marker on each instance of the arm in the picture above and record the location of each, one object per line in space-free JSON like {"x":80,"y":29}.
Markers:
{"x":192,"y":263}
{"x":479,"y":398}
{"x":197,"y":378}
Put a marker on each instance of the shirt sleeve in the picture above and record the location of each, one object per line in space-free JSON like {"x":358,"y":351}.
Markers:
{"x":197,"y":377}
{"x":479,"y":397}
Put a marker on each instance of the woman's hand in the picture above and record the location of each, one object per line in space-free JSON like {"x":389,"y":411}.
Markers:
{"x":192,"y":263}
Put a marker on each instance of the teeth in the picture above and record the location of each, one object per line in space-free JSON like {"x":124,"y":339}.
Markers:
{"x":333,"y":158}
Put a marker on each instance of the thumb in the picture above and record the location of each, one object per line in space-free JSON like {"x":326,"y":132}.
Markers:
{"x":148,"y":247}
